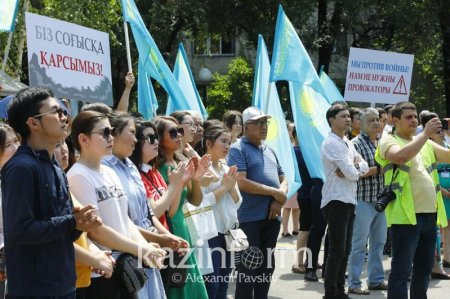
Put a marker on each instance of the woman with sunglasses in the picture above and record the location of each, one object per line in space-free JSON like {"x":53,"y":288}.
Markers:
{"x":87,"y":256}
{"x":93,"y":183}
{"x":216,"y":142}
{"x":144,"y":158}
{"x":139,"y":211}
{"x":9,"y":142}
{"x":170,"y":140}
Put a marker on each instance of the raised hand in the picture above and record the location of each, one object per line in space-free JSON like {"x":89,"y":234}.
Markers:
{"x":207,"y":179}
{"x":230,"y":178}
{"x":129,"y":80}
{"x":202,"y":166}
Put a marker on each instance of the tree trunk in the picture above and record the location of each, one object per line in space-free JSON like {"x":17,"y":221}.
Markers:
{"x":328,"y":31}
{"x":445,"y":28}
{"x":22,"y":36}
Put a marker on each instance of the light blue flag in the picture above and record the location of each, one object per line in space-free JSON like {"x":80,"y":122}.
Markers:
{"x":147,"y":101}
{"x":309,"y":102}
{"x":309,"y":109}
{"x":8,"y":13}
{"x":149,"y":55}
{"x":182,"y":73}
{"x":333,"y":94}
{"x":290,"y":60}
{"x":277,"y":135}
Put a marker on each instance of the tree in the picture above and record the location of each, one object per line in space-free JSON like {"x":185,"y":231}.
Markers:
{"x":445,"y":29}
{"x":232,"y":90}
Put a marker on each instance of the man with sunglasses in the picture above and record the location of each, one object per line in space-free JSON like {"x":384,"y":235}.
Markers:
{"x":40,"y":222}
{"x":263,"y":188}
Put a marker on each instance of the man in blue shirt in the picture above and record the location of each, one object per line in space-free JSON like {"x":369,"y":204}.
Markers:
{"x":263,"y":188}
{"x":40,"y":223}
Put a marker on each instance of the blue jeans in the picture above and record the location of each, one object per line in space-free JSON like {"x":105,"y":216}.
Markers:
{"x":217,"y":282}
{"x":369,"y":225}
{"x":255,"y":283}
{"x":412,"y":245}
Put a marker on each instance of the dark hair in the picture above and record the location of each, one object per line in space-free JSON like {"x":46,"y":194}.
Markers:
{"x":119,"y":120}
{"x":136,"y":156}
{"x":334,"y":110}
{"x":162,"y":122}
{"x":84,"y":123}
{"x":180,"y":115}
{"x":25,"y":104}
{"x":230,"y":117}
{"x":388,"y":108}
{"x":398,"y":108}
{"x":99,"y":107}
{"x":72,"y":153}
{"x":4,"y":130}
{"x":213,"y":129}
{"x":427,"y":117}
{"x":381,"y":111}
{"x":354,"y":111}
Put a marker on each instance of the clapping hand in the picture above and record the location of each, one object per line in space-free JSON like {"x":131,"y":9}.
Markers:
{"x":201,"y":166}
{"x":230,"y":178}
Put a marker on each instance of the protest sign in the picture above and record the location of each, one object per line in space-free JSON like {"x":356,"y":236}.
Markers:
{"x":378,"y":77}
{"x":72,"y":60}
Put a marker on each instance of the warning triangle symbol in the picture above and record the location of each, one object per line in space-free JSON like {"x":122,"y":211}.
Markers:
{"x":400,"y":88}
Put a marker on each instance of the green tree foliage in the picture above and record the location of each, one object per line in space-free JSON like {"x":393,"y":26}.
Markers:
{"x":232,"y":90}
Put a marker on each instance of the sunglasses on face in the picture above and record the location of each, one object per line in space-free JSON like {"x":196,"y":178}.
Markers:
{"x":173,"y":133}
{"x":106,"y":132}
{"x":58,"y":110}
{"x":151,"y":138}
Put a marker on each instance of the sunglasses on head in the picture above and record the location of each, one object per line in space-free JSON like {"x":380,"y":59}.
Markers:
{"x":173,"y":133}
{"x":151,"y":138}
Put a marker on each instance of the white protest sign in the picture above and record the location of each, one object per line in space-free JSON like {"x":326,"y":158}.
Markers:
{"x":378,"y":77}
{"x":72,"y":60}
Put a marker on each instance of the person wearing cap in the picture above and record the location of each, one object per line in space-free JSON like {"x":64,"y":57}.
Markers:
{"x":263,"y":188}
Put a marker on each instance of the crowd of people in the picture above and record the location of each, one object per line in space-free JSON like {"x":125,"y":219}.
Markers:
{"x":94,"y":205}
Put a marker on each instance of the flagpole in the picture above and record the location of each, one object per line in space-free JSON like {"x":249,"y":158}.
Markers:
{"x":127,"y":44}
{"x":8,"y":46}
{"x":267,"y":98}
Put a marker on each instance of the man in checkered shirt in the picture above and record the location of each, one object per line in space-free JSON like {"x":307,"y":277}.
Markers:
{"x":370,"y":226}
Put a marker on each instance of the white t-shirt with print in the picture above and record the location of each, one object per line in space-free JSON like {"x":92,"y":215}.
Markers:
{"x":104,"y":191}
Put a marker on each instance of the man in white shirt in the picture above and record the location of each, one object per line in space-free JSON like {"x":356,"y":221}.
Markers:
{"x":343,"y":166}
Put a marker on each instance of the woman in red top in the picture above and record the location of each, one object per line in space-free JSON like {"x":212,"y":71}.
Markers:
{"x":144,"y":157}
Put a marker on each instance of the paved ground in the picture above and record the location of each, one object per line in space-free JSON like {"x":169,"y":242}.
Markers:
{"x":290,"y":285}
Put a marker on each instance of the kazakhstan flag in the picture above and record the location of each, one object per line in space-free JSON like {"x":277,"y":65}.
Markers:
{"x":182,"y":73}
{"x":147,"y":101}
{"x":149,"y":55}
{"x":309,"y":103}
{"x":277,"y":135}
{"x":333,"y":94}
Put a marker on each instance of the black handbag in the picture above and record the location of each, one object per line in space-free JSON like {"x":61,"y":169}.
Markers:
{"x":127,"y":274}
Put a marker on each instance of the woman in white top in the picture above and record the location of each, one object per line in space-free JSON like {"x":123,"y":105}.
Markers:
{"x":9,"y":142}
{"x":216,"y":142}
{"x":93,"y":183}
